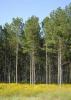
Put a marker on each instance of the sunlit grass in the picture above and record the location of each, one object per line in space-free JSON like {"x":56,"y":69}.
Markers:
{"x":34,"y":92}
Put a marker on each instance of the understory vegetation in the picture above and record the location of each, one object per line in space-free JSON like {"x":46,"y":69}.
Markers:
{"x":34,"y":92}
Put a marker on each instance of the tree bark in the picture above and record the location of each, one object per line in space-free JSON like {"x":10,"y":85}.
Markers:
{"x":49,"y":72}
{"x":5,"y":76}
{"x":59,"y":64}
{"x":9,"y":77}
{"x":16,"y":63}
{"x":70,"y":73}
{"x":33,"y":68}
{"x":46,"y":66}
{"x":30,"y":73}
{"x":30,"y":70}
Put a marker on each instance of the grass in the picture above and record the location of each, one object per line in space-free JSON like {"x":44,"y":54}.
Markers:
{"x":34,"y":92}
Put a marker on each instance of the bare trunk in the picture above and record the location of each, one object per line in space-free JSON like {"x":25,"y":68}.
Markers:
{"x":33,"y":68}
{"x":9,"y":69}
{"x":49,"y":72}
{"x":59,"y":64}
{"x":70,"y":73}
{"x":5,"y":69}
{"x":46,"y":67}
{"x":9,"y":77}
{"x":34,"y":71}
{"x":30,"y":70}
{"x":16,"y":63}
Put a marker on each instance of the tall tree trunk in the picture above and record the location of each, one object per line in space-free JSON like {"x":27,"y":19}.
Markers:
{"x":70,"y":73}
{"x":49,"y":72}
{"x":59,"y":64}
{"x":46,"y":66}
{"x":5,"y":76}
{"x":16,"y":63}
{"x":30,"y":70}
{"x":33,"y":68}
{"x":9,"y":78}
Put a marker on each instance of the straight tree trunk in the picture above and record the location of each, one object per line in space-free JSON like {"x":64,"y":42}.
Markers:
{"x":16,"y":63}
{"x":9,"y":68}
{"x":49,"y":72}
{"x":46,"y":66}
{"x":30,"y":70}
{"x":59,"y":64}
{"x":33,"y":68}
{"x":5,"y":76}
{"x":9,"y":77}
{"x":70,"y":73}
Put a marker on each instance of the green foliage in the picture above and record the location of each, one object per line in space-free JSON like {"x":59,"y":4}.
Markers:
{"x":32,"y":30}
{"x":53,"y":35}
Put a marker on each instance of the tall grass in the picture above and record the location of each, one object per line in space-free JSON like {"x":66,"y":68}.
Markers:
{"x":34,"y":92}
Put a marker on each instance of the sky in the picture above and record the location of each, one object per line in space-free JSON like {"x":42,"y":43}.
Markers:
{"x":26,"y":8}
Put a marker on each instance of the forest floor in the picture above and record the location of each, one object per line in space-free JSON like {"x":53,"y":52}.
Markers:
{"x":34,"y":92}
